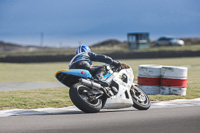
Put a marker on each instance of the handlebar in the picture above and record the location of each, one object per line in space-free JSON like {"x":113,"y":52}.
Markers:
{"x":122,"y":66}
{"x":117,"y":69}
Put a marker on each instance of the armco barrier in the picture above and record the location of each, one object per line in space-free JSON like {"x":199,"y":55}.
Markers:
{"x":117,"y":55}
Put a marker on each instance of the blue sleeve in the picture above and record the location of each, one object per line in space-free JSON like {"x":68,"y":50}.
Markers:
{"x":100,"y":58}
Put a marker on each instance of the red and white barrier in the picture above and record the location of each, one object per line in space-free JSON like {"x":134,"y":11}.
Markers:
{"x":165,"y":80}
{"x":149,"y":78}
{"x":173,"y":80}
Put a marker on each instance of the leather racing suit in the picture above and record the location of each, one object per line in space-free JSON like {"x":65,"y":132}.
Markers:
{"x":84,"y":61}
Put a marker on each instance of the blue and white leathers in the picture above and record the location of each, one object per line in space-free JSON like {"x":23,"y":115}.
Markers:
{"x":89,"y":57}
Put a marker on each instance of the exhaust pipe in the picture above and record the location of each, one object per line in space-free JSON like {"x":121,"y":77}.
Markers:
{"x":89,"y":83}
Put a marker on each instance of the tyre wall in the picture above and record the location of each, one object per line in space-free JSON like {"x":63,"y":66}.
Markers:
{"x":173,"y":80}
{"x":164,"y":80}
{"x":149,"y":78}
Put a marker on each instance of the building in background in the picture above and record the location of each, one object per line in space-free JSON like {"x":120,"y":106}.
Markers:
{"x":138,"y":40}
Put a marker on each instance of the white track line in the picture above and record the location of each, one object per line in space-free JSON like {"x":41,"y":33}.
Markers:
{"x":73,"y":109}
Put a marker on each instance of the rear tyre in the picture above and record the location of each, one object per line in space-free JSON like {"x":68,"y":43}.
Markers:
{"x":79,"y":95}
{"x":140,"y":98}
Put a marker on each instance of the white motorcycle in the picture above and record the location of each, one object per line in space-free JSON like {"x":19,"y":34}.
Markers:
{"x":115,"y":90}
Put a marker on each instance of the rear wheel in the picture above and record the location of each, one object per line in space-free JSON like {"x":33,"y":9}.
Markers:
{"x":140,"y":98}
{"x":84,"y":99}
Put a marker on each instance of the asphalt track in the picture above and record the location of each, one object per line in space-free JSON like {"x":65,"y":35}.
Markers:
{"x":184,"y":118}
{"x":11,"y":86}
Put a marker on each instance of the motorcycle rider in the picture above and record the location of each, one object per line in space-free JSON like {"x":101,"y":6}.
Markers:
{"x":83,"y":60}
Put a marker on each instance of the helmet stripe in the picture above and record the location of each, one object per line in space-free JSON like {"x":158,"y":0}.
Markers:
{"x":82,"y":48}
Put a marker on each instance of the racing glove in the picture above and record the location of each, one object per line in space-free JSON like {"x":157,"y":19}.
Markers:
{"x":116,"y":64}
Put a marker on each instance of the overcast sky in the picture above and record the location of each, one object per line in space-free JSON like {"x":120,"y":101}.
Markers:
{"x":70,"y":22}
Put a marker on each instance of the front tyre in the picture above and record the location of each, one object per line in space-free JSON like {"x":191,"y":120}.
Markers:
{"x":140,"y":98}
{"x":80,"y":96}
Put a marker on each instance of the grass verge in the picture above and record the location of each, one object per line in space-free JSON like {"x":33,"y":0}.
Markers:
{"x":40,"y":98}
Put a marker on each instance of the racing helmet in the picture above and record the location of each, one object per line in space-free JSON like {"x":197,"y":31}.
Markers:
{"x":82,"y":48}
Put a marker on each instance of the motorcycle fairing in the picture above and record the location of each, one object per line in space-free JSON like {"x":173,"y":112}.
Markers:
{"x":123,"y":98}
{"x":71,"y":76}
{"x":106,"y":76}
{"x":77,"y":72}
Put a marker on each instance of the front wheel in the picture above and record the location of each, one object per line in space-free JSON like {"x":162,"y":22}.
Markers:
{"x":81,"y":97}
{"x":140,"y":98}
